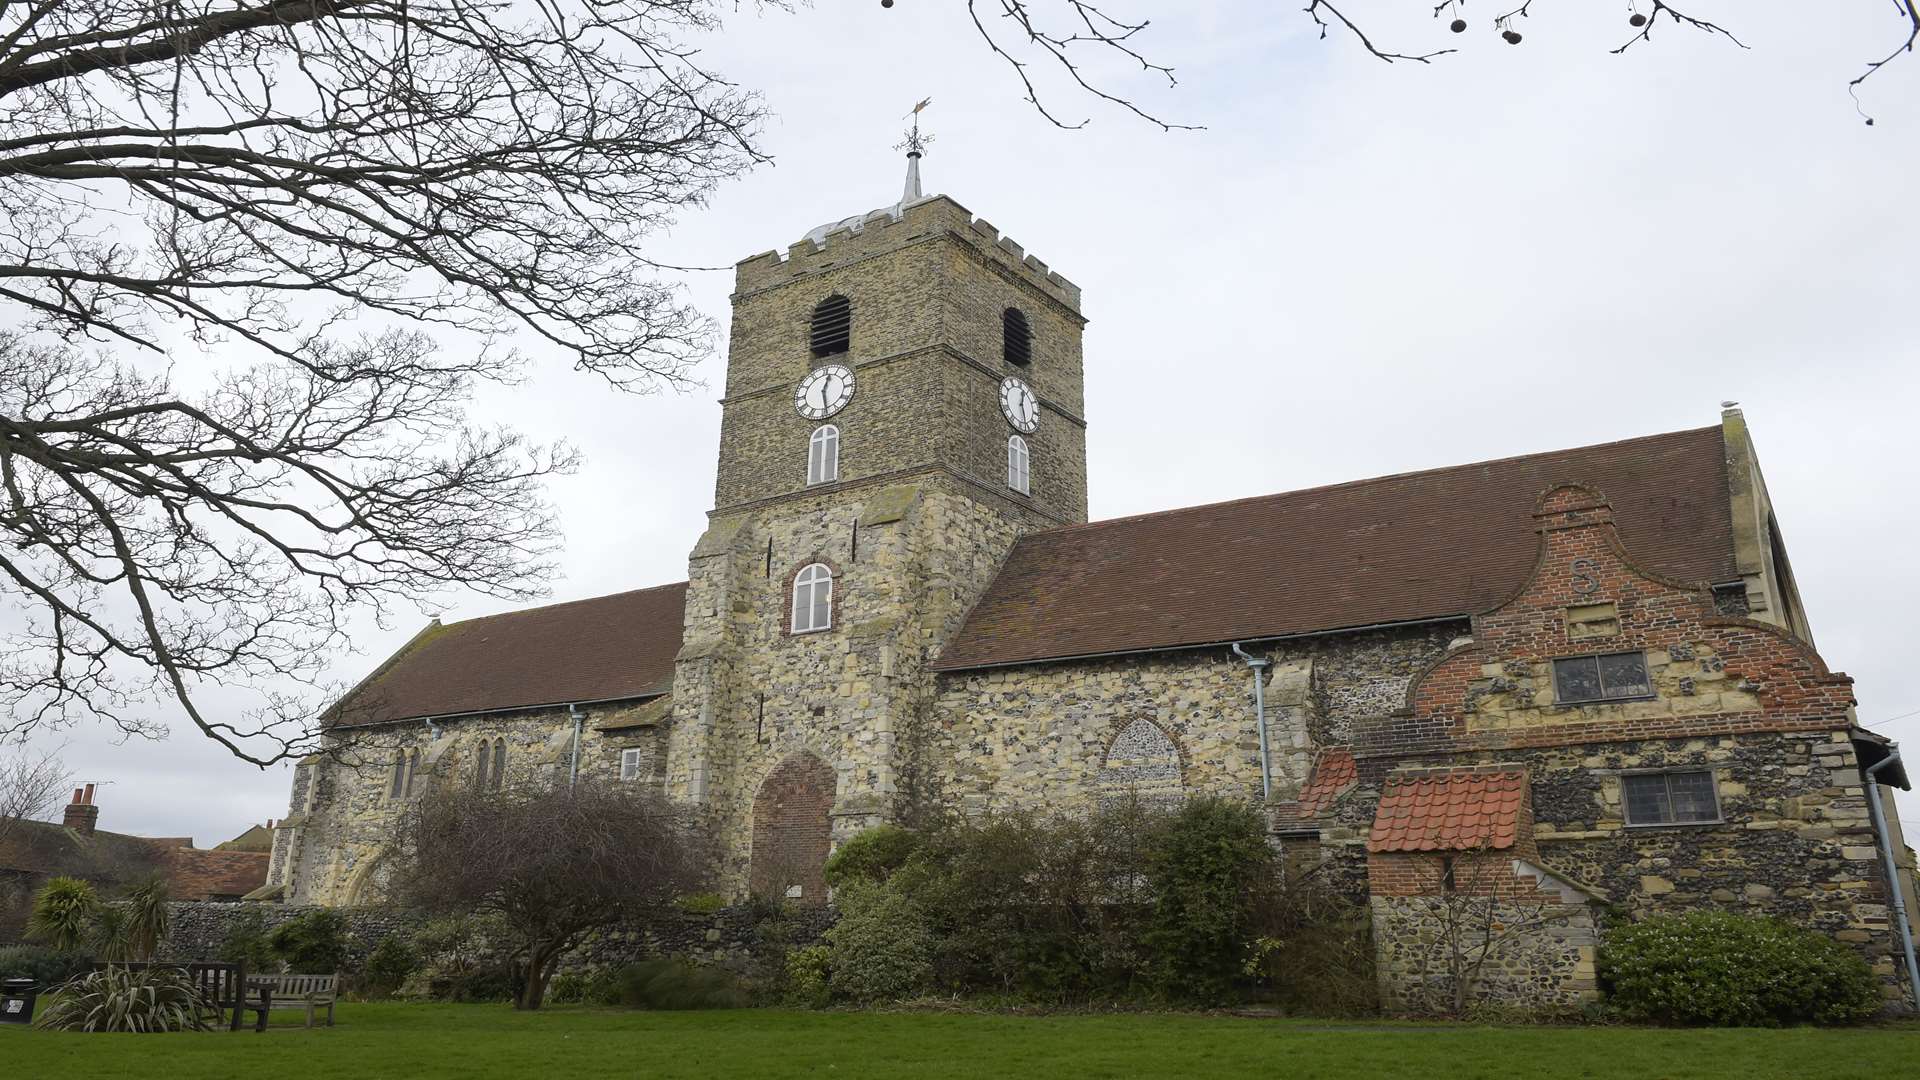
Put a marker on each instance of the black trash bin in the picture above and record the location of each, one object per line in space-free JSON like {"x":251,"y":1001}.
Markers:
{"x":16,"y":1001}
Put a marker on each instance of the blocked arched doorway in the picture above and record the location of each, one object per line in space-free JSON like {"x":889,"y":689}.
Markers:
{"x":792,"y":831}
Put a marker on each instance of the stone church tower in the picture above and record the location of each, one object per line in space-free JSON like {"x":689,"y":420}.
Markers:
{"x":904,"y":398}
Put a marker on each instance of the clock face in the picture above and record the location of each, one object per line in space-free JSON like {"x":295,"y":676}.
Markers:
{"x":1021,"y":407}
{"x":825,"y":391}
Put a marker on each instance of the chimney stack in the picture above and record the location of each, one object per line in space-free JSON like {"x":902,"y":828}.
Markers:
{"x":81,"y":813}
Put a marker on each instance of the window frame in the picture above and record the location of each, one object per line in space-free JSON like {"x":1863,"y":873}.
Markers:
{"x":823,"y":450}
{"x":1713,"y":789}
{"x":630,"y":763}
{"x":1019,"y":464}
{"x":1604,"y":698}
{"x":813,"y":583}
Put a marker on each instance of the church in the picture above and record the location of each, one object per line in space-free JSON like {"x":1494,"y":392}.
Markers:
{"x":1573,"y":682}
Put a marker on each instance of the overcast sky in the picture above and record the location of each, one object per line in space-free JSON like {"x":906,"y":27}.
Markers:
{"x":1355,"y":269}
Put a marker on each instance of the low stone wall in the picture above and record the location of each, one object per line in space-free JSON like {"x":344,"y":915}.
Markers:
{"x":1548,"y":967}
{"x":737,"y":938}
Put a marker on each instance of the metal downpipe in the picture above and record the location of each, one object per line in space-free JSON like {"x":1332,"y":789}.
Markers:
{"x":1893,"y":870}
{"x":1258,"y":665}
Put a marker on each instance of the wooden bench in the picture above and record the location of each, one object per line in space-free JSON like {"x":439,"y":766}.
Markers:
{"x":295,"y":992}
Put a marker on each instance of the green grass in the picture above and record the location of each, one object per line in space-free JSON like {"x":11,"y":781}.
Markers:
{"x":410,"y":1040}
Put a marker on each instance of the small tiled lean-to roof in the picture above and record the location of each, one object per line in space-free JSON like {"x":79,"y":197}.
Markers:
{"x":1406,"y":548}
{"x":604,"y":649}
{"x":1334,"y":771}
{"x":1459,"y":810}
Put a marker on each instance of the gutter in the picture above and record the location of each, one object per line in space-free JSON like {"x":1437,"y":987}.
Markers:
{"x":1893,"y":871}
{"x":1193,"y":646}
{"x":1259,"y":666}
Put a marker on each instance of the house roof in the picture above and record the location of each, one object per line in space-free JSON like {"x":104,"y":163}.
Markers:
{"x":1406,"y":548}
{"x":44,"y":848}
{"x":602,"y":649}
{"x":1450,"y":810}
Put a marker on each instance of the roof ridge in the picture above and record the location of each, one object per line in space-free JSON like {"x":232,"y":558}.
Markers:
{"x":1061,"y":529}
{"x":563,"y":603}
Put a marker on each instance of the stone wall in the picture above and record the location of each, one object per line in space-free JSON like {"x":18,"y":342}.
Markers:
{"x":1547,"y":968}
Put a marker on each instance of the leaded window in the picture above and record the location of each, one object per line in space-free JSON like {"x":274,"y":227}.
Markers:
{"x":1609,"y":677}
{"x":1670,"y":798}
{"x":812,"y":599}
{"x":630,"y":764}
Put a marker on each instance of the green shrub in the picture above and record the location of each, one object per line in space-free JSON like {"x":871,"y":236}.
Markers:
{"x":1208,"y":868}
{"x":312,"y":943}
{"x":701,"y":903}
{"x":1715,"y":967}
{"x":121,"y":999}
{"x":807,"y":977}
{"x":388,"y":966}
{"x":1313,"y":951}
{"x":460,"y":959}
{"x":872,"y":856}
{"x":63,"y":914}
{"x":46,"y":967}
{"x":246,"y":943}
{"x":880,"y":950}
{"x":672,"y":983}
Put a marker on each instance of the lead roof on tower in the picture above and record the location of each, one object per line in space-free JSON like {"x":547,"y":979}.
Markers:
{"x":916,"y":145}
{"x":1417,"y":546}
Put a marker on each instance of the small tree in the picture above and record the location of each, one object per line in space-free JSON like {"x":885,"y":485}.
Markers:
{"x":1477,"y":919}
{"x":555,"y":864}
{"x":64,"y":914}
{"x":147,"y":918}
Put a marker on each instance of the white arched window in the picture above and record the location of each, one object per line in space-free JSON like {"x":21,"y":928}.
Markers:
{"x":823,"y":455}
{"x":1017,"y":464}
{"x":812,"y":599}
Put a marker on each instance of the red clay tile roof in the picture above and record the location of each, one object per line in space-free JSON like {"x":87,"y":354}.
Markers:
{"x":1461,"y":810}
{"x":1425,"y":545}
{"x":1333,"y":772}
{"x":42,"y":848}
{"x":606,"y":648}
{"x":193,"y":874}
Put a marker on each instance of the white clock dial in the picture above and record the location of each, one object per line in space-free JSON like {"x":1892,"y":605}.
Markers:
{"x":1022,"y":409}
{"x":825,"y":391}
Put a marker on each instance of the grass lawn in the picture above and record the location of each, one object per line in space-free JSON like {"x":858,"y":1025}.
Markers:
{"x":413,"y":1040}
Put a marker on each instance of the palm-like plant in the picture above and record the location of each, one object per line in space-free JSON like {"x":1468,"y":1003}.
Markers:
{"x":124,"y":999}
{"x":147,"y":920}
{"x":64,"y":913}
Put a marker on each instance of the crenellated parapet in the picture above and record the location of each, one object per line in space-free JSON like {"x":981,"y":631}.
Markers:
{"x":890,"y":228}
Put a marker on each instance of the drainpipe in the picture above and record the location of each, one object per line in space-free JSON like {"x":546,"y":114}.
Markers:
{"x":1893,"y":871}
{"x":1257,"y":665}
{"x":579,"y":721}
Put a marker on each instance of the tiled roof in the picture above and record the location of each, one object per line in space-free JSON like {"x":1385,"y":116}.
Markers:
{"x":193,"y":874}
{"x":606,"y":648}
{"x":1333,"y":772}
{"x":42,"y":848}
{"x":1425,"y":545}
{"x":1457,"y":810}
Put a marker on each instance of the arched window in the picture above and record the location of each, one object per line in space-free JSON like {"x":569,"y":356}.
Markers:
{"x":812,"y":599}
{"x":823,"y":455}
{"x":1017,"y":467}
{"x":832,"y":330}
{"x":481,"y":761}
{"x":1016,"y":338}
{"x":499,"y":764}
{"x":398,"y":785}
{"x":413,"y":768}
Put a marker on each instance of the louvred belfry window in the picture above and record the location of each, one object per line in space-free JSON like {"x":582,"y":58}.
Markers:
{"x":832,"y":329}
{"x":1017,"y":338}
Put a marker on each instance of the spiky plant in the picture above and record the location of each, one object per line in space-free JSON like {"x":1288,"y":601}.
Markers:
{"x":124,"y":999}
{"x":63,"y":913}
{"x":108,"y":937}
{"x":147,"y":919}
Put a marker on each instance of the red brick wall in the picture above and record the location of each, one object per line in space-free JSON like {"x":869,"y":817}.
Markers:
{"x":792,"y":832}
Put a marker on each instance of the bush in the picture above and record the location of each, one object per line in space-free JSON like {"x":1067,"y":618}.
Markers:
{"x":807,"y":977}
{"x":671,"y":983}
{"x":46,"y":967}
{"x":1313,"y":953}
{"x":121,"y":999}
{"x":872,"y":856}
{"x":246,"y":943}
{"x":312,"y":943}
{"x":880,"y":950}
{"x":1208,"y":868}
{"x":460,"y":959}
{"x":64,"y":913}
{"x":1715,"y":967}
{"x":388,"y":967}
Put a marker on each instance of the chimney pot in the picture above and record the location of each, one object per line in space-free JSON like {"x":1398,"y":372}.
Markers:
{"x":89,"y":794}
{"x":78,"y":796}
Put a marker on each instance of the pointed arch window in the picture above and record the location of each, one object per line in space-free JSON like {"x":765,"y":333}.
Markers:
{"x":812,"y":599}
{"x":481,"y":760}
{"x":398,"y":785}
{"x":823,"y":455}
{"x":1016,"y":338}
{"x":1018,"y":467}
{"x":413,"y":769}
{"x":499,"y":764}
{"x":831,"y":331}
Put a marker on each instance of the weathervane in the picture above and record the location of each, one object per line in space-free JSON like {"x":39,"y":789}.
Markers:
{"x":915,"y":144}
